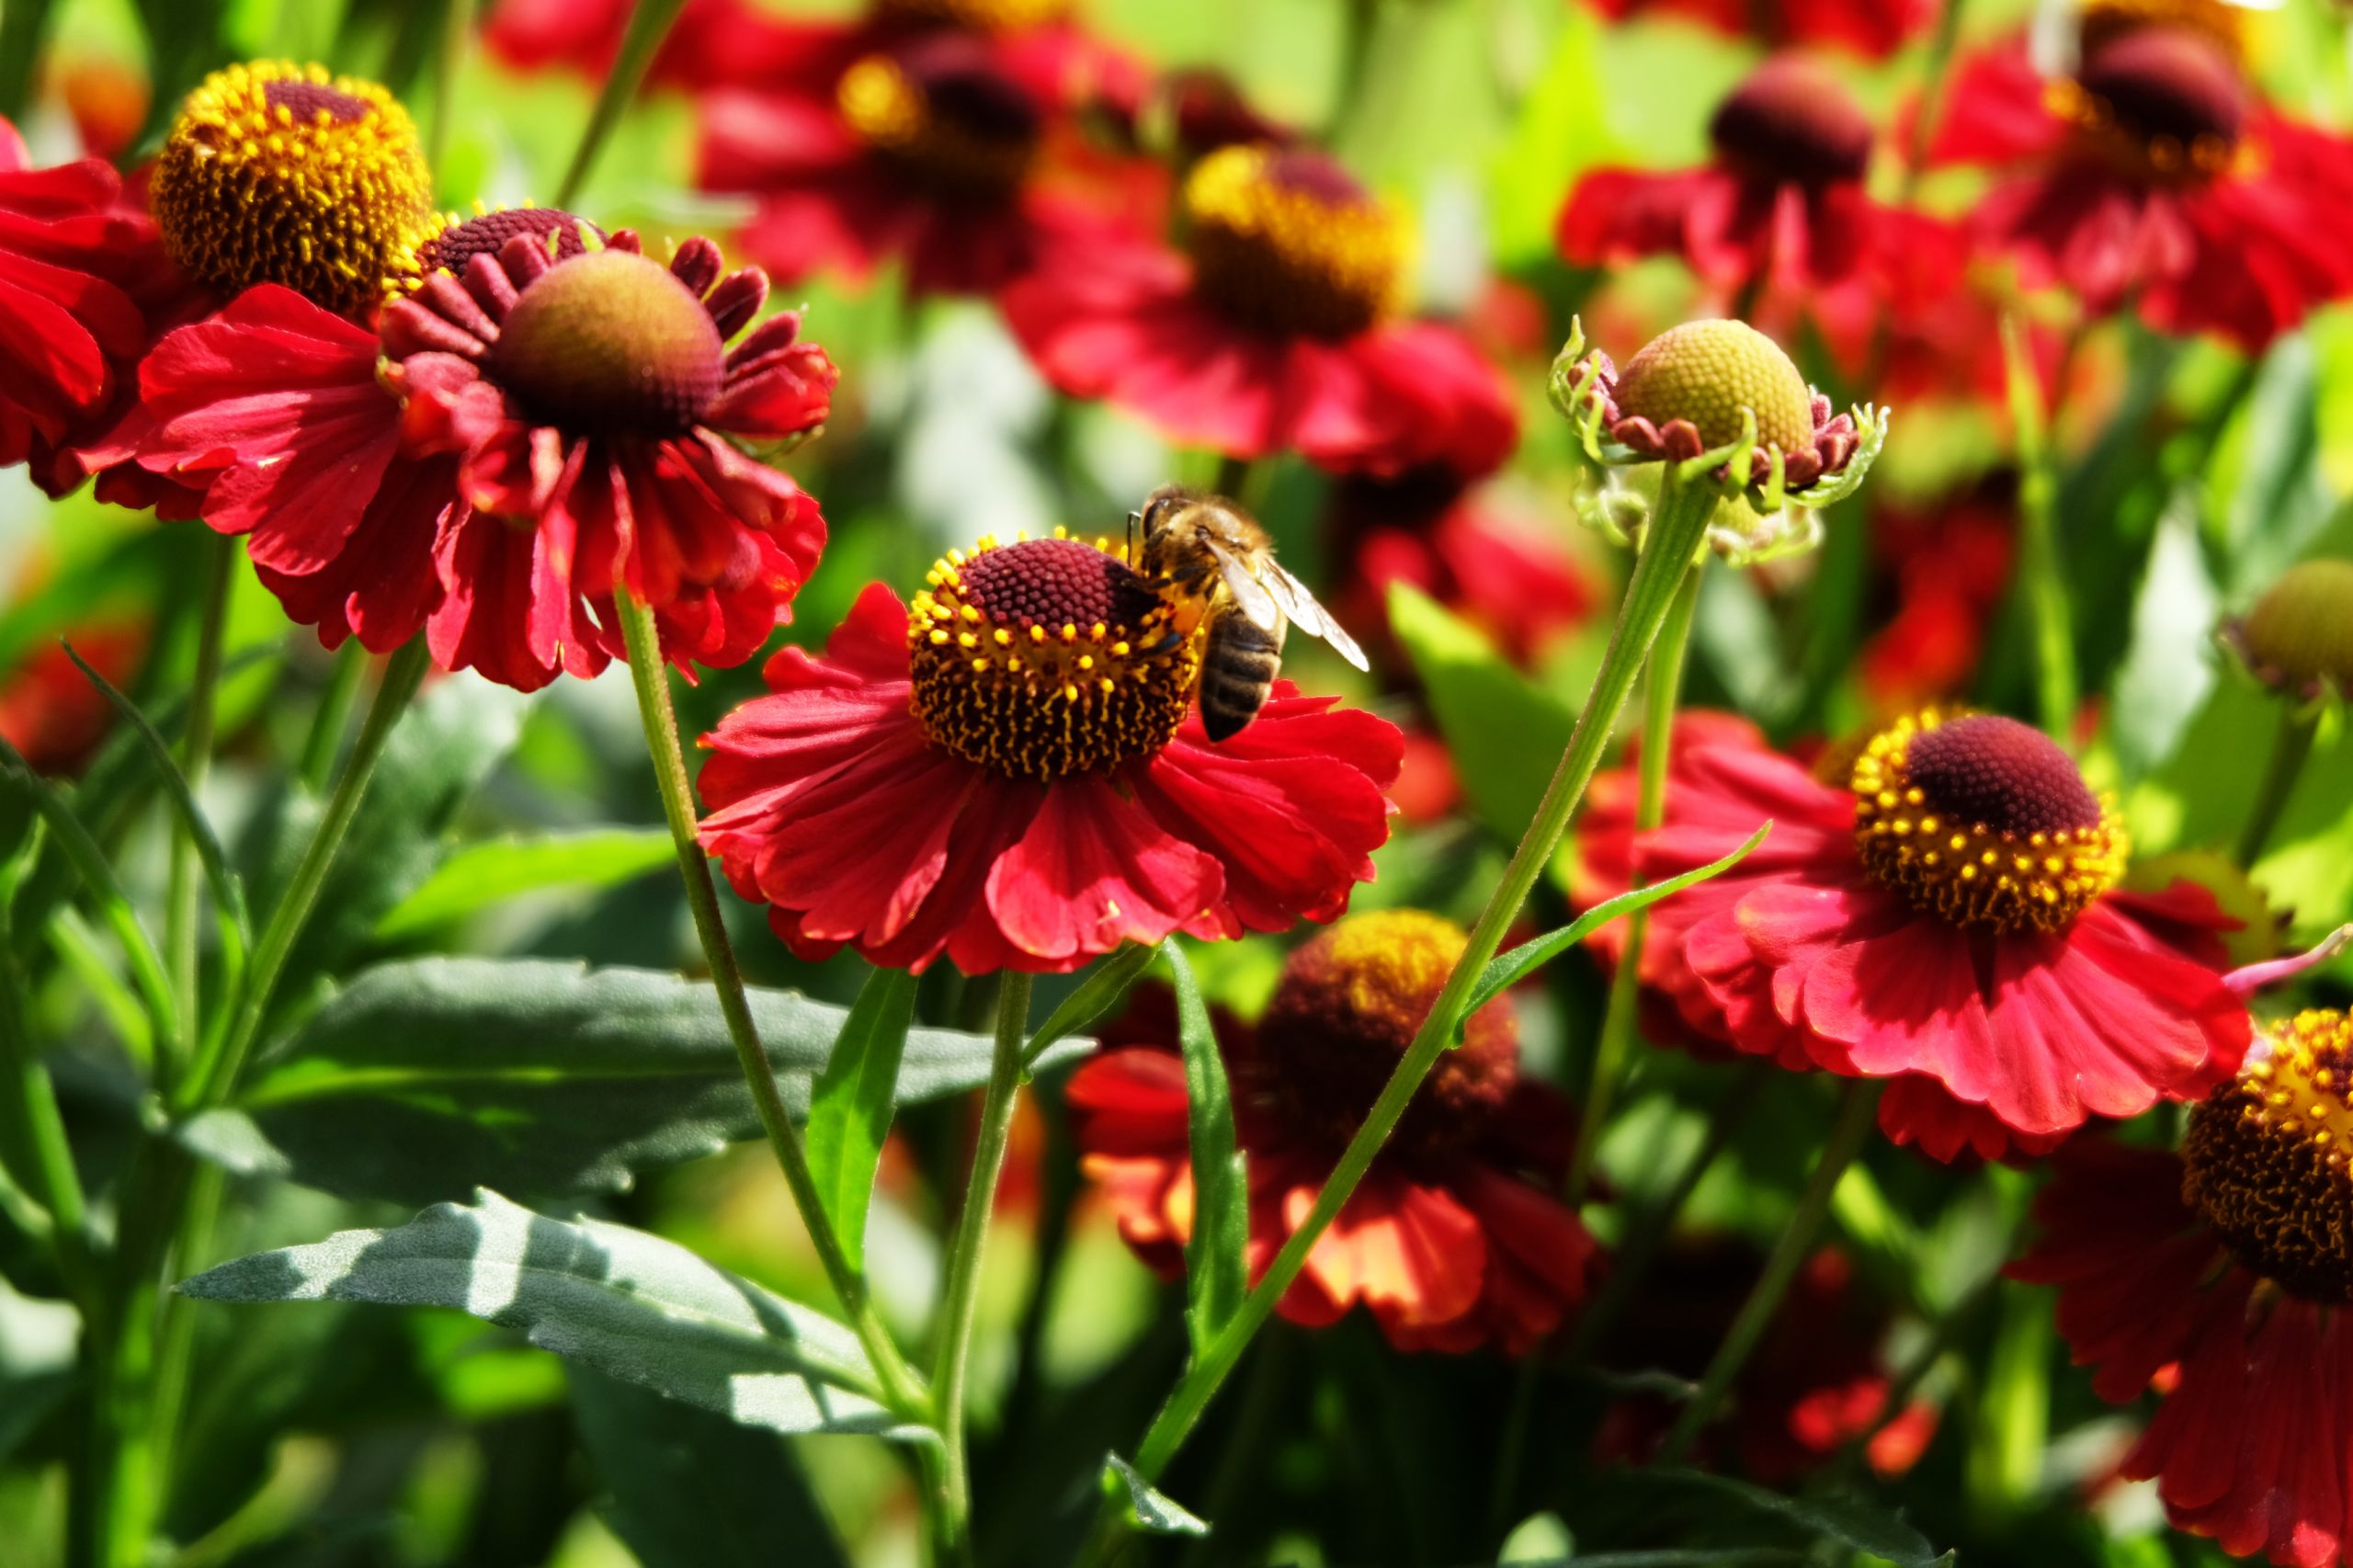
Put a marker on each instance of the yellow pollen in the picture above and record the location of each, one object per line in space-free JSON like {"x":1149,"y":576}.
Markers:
{"x":2264,"y":1161}
{"x":974,"y":136}
{"x":1283,"y":244}
{"x":276,"y":173}
{"x":2003,"y":875}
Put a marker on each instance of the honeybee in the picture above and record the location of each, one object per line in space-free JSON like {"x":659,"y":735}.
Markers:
{"x":1222,"y":567}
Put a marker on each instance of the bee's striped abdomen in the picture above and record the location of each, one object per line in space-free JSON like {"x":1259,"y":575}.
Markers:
{"x":1239,"y":662}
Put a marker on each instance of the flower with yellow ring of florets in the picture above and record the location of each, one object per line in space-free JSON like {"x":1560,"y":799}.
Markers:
{"x":1722,"y":403}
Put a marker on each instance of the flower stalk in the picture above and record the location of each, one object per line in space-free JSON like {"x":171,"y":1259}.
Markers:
{"x":2298,"y":725}
{"x":2042,"y":577}
{"x":971,"y":1240}
{"x":1856,"y":1105}
{"x":649,"y":24}
{"x":181,"y":895}
{"x":650,"y":676}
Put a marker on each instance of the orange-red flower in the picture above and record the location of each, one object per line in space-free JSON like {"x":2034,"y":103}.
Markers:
{"x":1012,"y":773}
{"x":1278,"y":327}
{"x":1949,"y":920}
{"x":2154,"y":178}
{"x":1947,"y":567}
{"x":2223,"y":1274}
{"x":1453,"y":1241}
{"x":1875,"y":28}
{"x":559,"y":423}
{"x":51,"y":712}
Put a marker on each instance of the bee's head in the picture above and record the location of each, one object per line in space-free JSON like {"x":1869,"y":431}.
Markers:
{"x":1161,"y":506}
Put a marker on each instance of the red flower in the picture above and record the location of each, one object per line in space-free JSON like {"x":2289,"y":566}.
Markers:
{"x":1457,"y":542}
{"x":49,"y":710}
{"x":2154,"y":175}
{"x":1274,"y":332}
{"x":1875,"y":28}
{"x":537,"y":434}
{"x":944,"y":148}
{"x":1012,"y":775}
{"x":1950,"y":567}
{"x":74,"y":265}
{"x":1814,"y":1384}
{"x":1949,"y":922}
{"x":1455,"y":1238}
{"x":2221,"y":1275}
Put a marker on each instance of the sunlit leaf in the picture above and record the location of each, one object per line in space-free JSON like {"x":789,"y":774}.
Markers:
{"x":481,"y":875}
{"x":1096,"y":995}
{"x":852,"y":1101}
{"x":1503,"y":733}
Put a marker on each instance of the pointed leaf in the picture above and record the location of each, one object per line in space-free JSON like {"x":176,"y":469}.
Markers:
{"x":1216,"y":1274}
{"x":1848,"y":1521}
{"x":548,"y":1078}
{"x":1504,"y":732}
{"x":481,"y":875}
{"x":625,"y":1302}
{"x":1155,"y":1513}
{"x":851,"y":1104}
{"x":1097,"y":995}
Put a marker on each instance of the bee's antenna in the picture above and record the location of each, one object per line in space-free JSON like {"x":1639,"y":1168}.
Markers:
{"x":1133,"y":519}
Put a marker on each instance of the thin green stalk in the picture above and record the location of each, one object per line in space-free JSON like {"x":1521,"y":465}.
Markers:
{"x":182,"y":890}
{"x":1856,"y":1106}
{"x":963,"y":1297}
{"x":1662,"y":688}
{"x":650,"y":675}
{"x":1930,"y":104}
{"x":333,"y":716}
{"x":2041,"y":574}
{"x":1673,"y":539}
{"x":457,"y":35}
{"x":2298,"y":724}
{"x":649,"y":24}
{"x":192,"y":1251}
{"x":33,"y":1144}
{"x":216,"y":1071}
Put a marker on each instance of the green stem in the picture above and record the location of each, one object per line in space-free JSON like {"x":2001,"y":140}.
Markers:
{"x":1855,"y":1108}
{"x":1662,"y":688}
{"x":196,"y":763}
{"x":192,"y":1251}
{"x":1671,"y":543}
{"x":649,"y":24}
{"x":333,"y":716}
{"x":2042,"y":577}
{"x":2298,"y":724}
{"x":954,"y":1369}
{"x":216,"y":1072}
{"x":650,"y":677}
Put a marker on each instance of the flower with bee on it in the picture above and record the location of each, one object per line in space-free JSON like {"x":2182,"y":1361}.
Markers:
{"x":1723,"y":403}
{"x":1009,"y":772}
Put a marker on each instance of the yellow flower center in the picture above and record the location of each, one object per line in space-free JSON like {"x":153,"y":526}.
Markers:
{"x":1348,"y":1006}
{"x":1706,"y":372}
{"x":1285,"y":241}
{"x":1046,"y":657}
{"x":278,"y":173}
{"x":1983,"y":821}
{"x":976,"y":15}
{"x":2167,"y":104}
{"x":2265,"y":1161}
{"x":946,"y":118}
{"x":611,"y":344}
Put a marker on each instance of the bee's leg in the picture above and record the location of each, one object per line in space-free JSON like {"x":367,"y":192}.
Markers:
{"x":1133,"y":519}
{"x":1161,"y":644}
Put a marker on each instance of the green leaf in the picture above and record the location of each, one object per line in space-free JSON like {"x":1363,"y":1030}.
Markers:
{"x":1848,"y":1521}
{"x":1097,"y":995}
{"x":2168,"y":669}
{"x":1216,"y":1274}
{"x":689,"y":1489}
{"x":1155,"y":1513}
{"x":480,"y":875}
{"x":851,"y":1104}
{"x":1507,"y":969}
{"x":1505,"y":734}
{"x":623,"y":1301}
{"x":545,"y":1077}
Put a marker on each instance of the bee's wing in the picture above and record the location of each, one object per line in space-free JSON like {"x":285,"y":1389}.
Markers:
{"x":1249,"y":594}
{"x":1310,"y":617}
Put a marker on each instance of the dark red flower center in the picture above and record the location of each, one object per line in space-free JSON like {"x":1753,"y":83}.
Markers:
{"x":943,"y":113}
{"x":449,"y":250}
{"x":2101,"y":22}
{"x":611,"y":344}
{"x":1046,"y":657}
{"x":1983,"y":821}
{"x":2169,"y":101}
{"x":278,"y":173}
{"x":1347,"y":1006}
{"x":1792,"y":121}
{"x":2264,"y":1161}
{"x":1285,"y":241}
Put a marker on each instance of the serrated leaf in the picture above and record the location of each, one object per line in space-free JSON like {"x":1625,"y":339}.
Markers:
{"x":481,"y":875}
{"x":1507,"y":969}
{"x":1216,"y":1271}
{"x":851,"y":1104}
{"x":1155,"y":1512}
{"x":689,"y":1489}
{"x":546,"y":1078}
{"x":1505,"y":734}
{"x":623,"y":1301}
